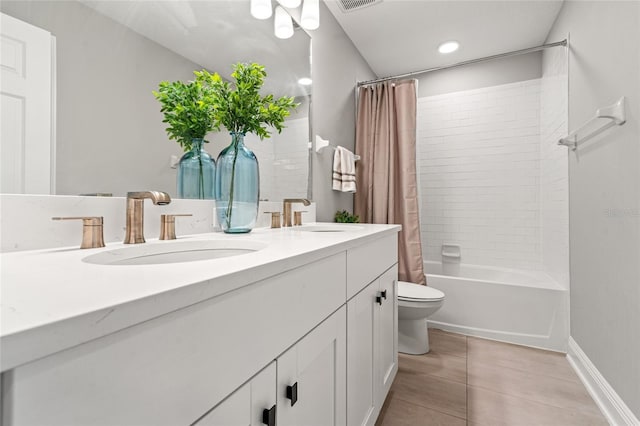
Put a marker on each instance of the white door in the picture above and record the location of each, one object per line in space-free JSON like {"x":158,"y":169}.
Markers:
{"x":26,"y":92}
{"x":312,"y":383}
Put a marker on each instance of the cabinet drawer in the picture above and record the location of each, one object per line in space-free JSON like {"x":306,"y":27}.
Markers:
{"x":368,"y":262}
{"x":172,"y":369}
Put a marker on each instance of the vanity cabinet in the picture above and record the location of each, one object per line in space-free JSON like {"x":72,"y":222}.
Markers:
{"x":315,"y":345}
{"x":173,"y":369}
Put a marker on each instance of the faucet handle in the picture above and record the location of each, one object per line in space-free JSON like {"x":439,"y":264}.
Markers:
{"x":92,"y":230}
{"x":297,"y":217}
{"x":168,"y":226}
{"x":275,"y":219}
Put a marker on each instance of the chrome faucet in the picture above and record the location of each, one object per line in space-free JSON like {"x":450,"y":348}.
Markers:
{"x":134,"y":233}
{"x":286,"y":208}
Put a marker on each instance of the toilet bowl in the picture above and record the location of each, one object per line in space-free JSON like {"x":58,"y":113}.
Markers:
{"x":415,"y":304}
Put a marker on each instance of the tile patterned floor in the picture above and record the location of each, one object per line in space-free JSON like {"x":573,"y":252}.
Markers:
{"x":477,"y":382}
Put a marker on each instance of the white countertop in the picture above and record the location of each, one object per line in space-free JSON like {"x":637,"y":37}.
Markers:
{"x":51,"y":300}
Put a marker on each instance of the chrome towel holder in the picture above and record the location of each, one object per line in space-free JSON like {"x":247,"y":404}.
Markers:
{"x":615,"y":113}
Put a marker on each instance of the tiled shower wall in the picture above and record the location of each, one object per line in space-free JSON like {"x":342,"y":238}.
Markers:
{"x":478,"y":156}
{"x":554,"y":173}
{"x":479,"y":160}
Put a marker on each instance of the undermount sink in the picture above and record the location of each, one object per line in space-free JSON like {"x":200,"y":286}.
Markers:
{"x":174,"y":252}
{"x":329,"y":227}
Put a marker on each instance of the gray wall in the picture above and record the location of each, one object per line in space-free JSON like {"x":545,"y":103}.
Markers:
{"x":112,"y":114}
{"x":337,"y":67}
{"x":482,"y":74}
{"x":604,"y":187}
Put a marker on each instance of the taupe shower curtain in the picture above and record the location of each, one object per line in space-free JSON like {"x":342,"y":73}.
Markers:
{"x":386,"y":173}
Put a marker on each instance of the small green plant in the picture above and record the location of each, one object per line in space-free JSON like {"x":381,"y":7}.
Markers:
{"x":343,"y":216}
{"x":188,"y":109}
{"x":241,"y":108}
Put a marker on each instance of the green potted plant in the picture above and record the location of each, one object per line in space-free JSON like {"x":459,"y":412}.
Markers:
{"x":188,"y":111}
{"x":241,"y":109}
{"x":343,"y":216}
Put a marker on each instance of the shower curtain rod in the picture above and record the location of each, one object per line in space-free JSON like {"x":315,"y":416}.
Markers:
{"x":472,"y":61}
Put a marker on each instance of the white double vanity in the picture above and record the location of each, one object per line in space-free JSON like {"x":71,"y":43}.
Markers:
{"x":300,"y":329}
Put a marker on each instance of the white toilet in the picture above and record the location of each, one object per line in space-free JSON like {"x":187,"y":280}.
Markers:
{"x":415,"y":304}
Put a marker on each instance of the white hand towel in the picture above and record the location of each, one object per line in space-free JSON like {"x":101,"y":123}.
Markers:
{"x":344,"y":170}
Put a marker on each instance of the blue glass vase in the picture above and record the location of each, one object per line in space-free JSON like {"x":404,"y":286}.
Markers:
{"x":196,"y":173}
{"x":237,"y":187}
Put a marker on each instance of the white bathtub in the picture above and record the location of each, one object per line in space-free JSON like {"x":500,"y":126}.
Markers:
{"x":522,"y":307}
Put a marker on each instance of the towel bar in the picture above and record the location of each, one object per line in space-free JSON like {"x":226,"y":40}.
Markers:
{"x":321,"y":144}
{"x":614,"y":112}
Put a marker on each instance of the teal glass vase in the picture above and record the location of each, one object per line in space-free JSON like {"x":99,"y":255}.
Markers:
{"x":196,"y":173}
{"x":237,"y":187}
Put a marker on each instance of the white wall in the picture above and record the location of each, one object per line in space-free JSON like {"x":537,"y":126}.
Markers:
{"x":604,"y":176}
{"x":337,"y":67}
{"x":105,"y":76}
{"x":481,"y":74}
{"x":554,"y":166}
{"x":479,"y":170}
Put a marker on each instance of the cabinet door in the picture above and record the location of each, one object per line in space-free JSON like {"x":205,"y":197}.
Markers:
{"x":362,"y":323}
{"x":246,"y":406}
{"x":312,"y":377}
{"x":387,"y":350}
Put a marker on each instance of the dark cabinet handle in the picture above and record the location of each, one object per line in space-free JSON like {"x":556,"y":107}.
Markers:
{"x":379,"y":300}
{"x":384,"y":294}
{"x":269,"y":416}
{"x":292,"y":393}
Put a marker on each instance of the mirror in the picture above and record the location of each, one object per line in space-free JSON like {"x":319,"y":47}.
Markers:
{"x":109,"y":57}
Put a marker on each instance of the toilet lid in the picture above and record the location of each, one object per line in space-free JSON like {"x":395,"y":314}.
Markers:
{"x":411,"y":291}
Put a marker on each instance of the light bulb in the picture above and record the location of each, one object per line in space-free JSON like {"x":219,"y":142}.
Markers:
{"x":448,"y":47}
{"x":291,"y":4}
{"x":305,"y":81}
{"x":282,"y":24}
{"x":261,"y":9}
{"x":310,"y":19}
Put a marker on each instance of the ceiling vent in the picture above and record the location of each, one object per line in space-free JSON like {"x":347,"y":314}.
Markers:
{"x":352,"y":5}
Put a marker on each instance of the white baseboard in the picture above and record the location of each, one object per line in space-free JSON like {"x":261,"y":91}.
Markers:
{"x":612,"y":406}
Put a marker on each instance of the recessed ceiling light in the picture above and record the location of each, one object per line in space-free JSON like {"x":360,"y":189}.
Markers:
{"x":448,"y":47}
{"x":305,"y":81}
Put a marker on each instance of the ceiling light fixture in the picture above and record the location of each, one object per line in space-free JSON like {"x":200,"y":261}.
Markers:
{"x":310,"y":19}
{"x":261,"y":9}
{"x":448,"y":47}
{"x":305,"y":81}
{"x":282,"y":24}
{"x":291,"y":4}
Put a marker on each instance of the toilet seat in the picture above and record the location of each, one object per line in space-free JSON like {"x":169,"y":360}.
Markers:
{"x":411,"y":292}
